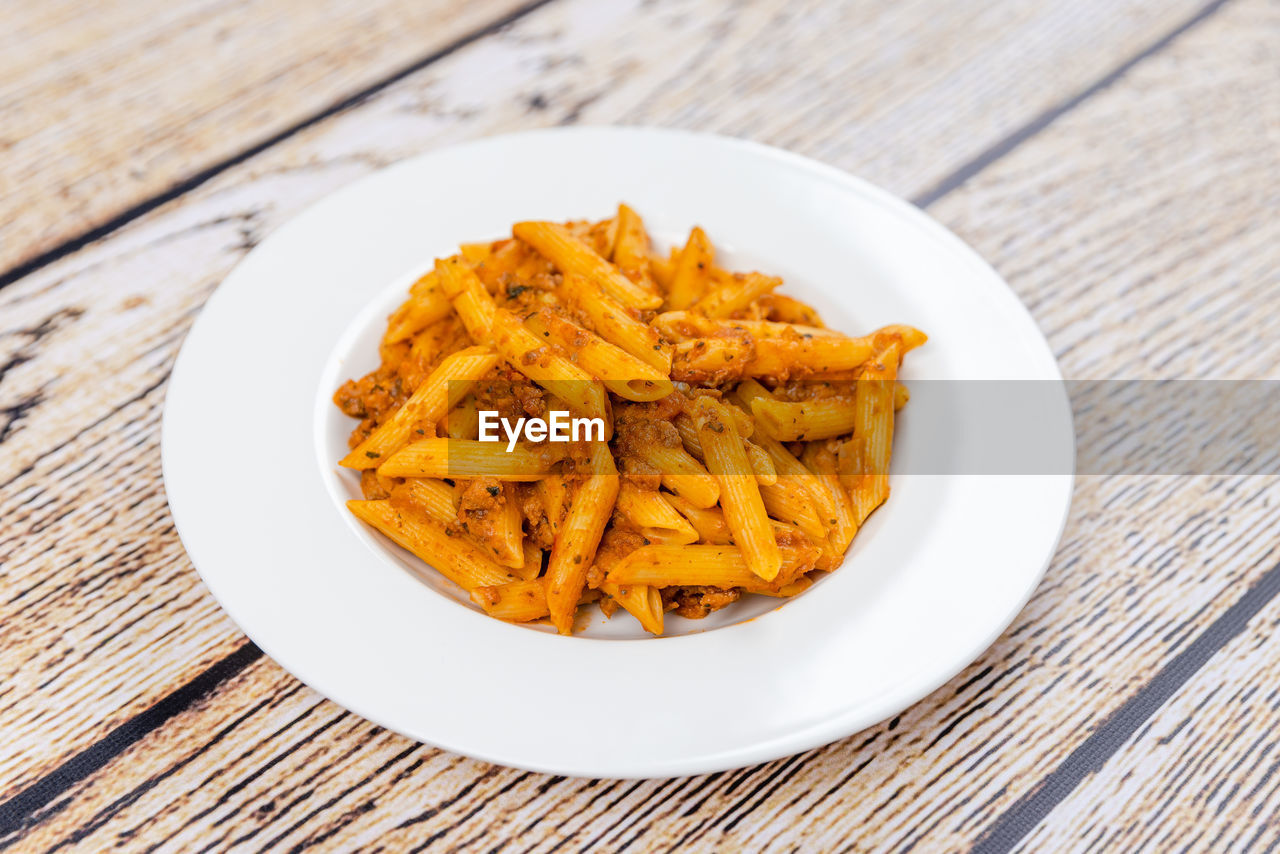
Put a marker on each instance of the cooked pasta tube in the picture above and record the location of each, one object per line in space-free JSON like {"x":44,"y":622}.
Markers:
{"x":823,"y":464}
{"x":426,"y":304}
{"x":571,"y":255}
{"x":709,"y":566}
{"x":641,"y":601}
{"x":529,"y":355}
{"x":759,"y":461}
{"x":437,"y":394}
{"x":739,"y":493}
{"x":692,"y":272}
{"x":734,"y":293}
{"x":873,"y":432}
{"x":454,"y":458}
{"x":614,"y":322}
{"x":464,"y":289}
{"x":683,"y":475}
{"x":653,"y":516}
{"x":589,"y":511}
{"x":458,"y":559}
{"x":622,"y":373}
{"x":515,"y":601}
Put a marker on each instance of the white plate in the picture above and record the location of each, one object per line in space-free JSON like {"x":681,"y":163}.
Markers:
{"x":250,"y":443}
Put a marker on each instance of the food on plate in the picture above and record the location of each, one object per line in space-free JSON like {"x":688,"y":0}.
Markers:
{"x":566,"y":416}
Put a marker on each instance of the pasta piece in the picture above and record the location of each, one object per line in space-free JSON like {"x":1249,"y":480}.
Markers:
{"x":790,"y":502}
{"x":426,"y":305}
{"x":707,"y":521}
{"x":553,"y":492}
{"x":641,"y":601}
{"x":789,"y":310}
{"x":460,"y":561}
{"x":532,"y":561}
{"x":683,"y":475}
{"x":739,"y":493}
{"x":439,"y":393}
{"x":508,"y":541}
{"x":692,"y":272}
{"x":664,"y":268}
{"x":467,"y":293}
{"x":789,"y":421}
{"x":622,"y":373}
{"x":653,"y":517}
{"x":571,"y":255}
{"x":614,"y":323}
{"x":823,"y":464}
{"x":527,"y":353}
{"x":735,"y":293}
{"x":707,"y":566}
{"x":463,"y":421}
{"x":791,"y":470}
{"x":453,"y":458}
{"x":434,"y":499}
{"x":901,"y":395}
{"x":687,"y":325}
{"x":631,"y":248}
{"x":873,"y":432}
{"x":575,"y":549}
{"x":515,"y":601}
{"x":759,"y":461}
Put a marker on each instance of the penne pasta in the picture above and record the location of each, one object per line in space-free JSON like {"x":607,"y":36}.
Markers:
{"x":439,"y":393}
{"x":613,"y":322}
{"x":516,"y":601}
{"x":692,"y":272}
{"x":683,"y":475}
{"x":739,"y":493}
{"x":708,"y":566}
{"x":452,"y":458}
{"x":460,"y":561}
{"x":529,"y":355}
{"x":467,"y":293}
{"x":641,"y":601}
{"x":655,"y":519}
{"x":873,"y":432}
{"x":735,"y":293}
{"x":622,"y":373}
{"x":575,"y":548}
{"x":570,"y":255}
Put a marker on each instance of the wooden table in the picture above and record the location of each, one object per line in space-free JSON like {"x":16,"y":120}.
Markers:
{"x":1117,"y":160}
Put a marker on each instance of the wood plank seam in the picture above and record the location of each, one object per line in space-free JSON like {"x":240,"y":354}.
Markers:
{"x":1021,"y":818}
{"x":15,"y":812}
{"x":74,"y":244}
{"x":999,"y":149}
{"x":953,"y":181}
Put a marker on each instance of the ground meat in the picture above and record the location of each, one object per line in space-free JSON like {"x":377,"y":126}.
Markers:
{"x":696,"y":602}
{"x":510,"y":394}
{"x":479,"y":508}
{"x":616,"y":544}
{"x":535,"y":514}
{"x":374,"y":488}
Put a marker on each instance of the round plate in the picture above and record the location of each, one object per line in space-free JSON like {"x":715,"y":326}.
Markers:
{"x":250,"y":468}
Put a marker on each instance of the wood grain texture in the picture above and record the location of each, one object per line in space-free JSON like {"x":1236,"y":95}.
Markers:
{"x":1099,"y":231}
{"x":1202,"y":773}
{"x":102,"y":110}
